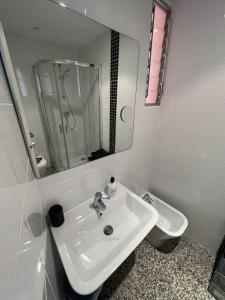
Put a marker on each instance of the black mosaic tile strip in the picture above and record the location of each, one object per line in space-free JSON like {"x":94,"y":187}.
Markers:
{"x":114,"y":64}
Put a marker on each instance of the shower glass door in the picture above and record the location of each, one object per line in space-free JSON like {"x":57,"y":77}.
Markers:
{"x":48,"y":91}
{"x":70,"y":110}
{"x":72,"y":113}
{"x":90,"y":95}
{"x":80,"y":105}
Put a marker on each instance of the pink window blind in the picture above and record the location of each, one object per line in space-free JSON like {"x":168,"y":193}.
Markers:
{"x":156,"y":61}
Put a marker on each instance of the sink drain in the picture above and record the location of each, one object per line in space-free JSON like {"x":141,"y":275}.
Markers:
{"x":108,"y":230}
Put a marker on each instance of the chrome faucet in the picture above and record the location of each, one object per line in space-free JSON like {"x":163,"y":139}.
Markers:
{"x":98,"y":204}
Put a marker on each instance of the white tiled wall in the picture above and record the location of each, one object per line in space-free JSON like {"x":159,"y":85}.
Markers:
{"x":22,"y":251}
{"x":11,"y":191}
{"x":4,"y":93}
{"x":187,"y":160}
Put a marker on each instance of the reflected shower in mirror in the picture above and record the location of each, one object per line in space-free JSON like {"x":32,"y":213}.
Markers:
{"x":69,"y":97}
{"x":77,"y":81}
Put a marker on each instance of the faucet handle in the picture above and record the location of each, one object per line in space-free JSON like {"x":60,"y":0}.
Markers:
{"x":105,"y":197}
{"x":98,"y":195}
{"x":98,"y":204}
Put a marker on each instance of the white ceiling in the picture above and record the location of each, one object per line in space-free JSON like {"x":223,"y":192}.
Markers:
{"x":58,"y":25}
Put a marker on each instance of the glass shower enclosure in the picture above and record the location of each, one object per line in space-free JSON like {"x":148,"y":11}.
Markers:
{"x":69,"y":102}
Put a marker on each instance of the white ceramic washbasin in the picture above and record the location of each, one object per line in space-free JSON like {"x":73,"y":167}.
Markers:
{"x":88,"y":255}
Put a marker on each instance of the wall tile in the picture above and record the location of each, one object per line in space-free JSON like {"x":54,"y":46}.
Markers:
{"x":198,"y":117}
{"x":22,"y":274}
{"x":198,"y":29}
{"x":13,"y":154}
{"x":187,"y":162}
{"x":4,"y":92}
{"x":30,"y":275}
{"x":201,"y":84}
{"x":10,"y":216}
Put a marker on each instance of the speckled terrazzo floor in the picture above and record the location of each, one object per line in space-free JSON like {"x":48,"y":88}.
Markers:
{"x":149,"y":274}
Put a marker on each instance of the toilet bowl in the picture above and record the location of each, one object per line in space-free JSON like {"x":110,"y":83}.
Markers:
{"x":42,"y":164}
{"x":171,"y":225}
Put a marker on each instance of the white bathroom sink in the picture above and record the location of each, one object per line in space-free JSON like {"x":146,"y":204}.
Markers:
{"x":88,"y":255}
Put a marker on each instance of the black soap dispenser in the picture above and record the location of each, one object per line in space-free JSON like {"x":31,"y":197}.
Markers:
{"x":56,"y":215}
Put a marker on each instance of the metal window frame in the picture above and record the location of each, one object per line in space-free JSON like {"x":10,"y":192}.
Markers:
{"x":166,"y":8}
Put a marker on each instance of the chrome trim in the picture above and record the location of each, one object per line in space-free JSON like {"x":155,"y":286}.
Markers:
{"x":65,"y":62}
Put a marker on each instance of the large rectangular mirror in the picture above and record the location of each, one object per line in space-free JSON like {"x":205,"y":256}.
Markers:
{"x":77,"y":81}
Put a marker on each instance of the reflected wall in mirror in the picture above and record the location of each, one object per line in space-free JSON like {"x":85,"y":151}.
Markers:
{"x":77,"y":80}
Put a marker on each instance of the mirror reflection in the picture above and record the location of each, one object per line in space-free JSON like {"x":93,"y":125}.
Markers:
{"x":77,"y":81}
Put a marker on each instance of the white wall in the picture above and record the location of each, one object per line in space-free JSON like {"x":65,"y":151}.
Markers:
{"x":24,"y":53}
{"x":22,"y":256}
{"x":188,"y":157}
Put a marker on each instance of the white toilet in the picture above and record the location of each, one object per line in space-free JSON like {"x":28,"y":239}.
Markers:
{"x":170,"y":227}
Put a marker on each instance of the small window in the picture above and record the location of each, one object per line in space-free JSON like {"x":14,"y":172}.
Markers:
{"x":157,"y":52}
